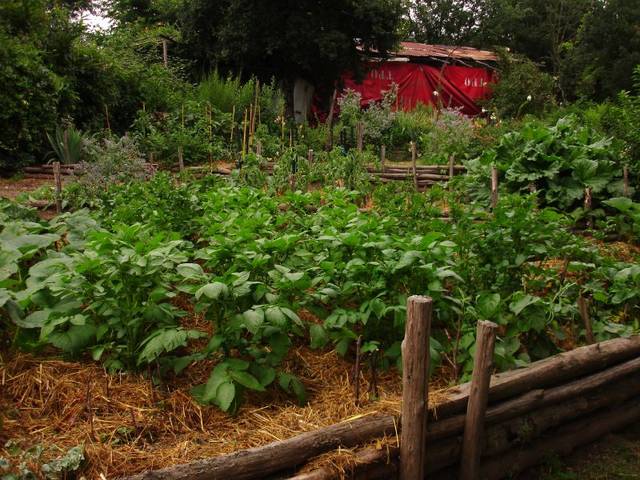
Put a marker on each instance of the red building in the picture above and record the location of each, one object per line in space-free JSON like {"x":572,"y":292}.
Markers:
{"x":443,"y":76}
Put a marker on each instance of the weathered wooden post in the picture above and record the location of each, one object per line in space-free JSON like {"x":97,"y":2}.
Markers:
{"x":588,"y":202}
{"x":180,"y":159}
{"x":310,"y":157}
{"x":478,"y":398}
{"x":383,"y":157}
{"x":165,"y":53}
{"x":625,"y":179}
{"x":414,"y":159}
{"x":494,"y":186}
{"x":57,"y":179}
{"x":259,"y":149}
{"x":415,"y":376}
{"x":583,"y":307}
{"x":360,"y":136}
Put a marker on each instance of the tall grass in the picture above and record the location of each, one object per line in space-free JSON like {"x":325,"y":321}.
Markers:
{"x":226,"y":92}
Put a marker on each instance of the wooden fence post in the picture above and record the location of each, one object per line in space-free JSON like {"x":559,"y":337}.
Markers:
{"x":478,"y":398}
{"x":583,"y":307}
{"x":180,"y":159}
{"x":414,"y":155}
{"x":383,"y":156}
{"x":57,"y":179}
{"x":360,"y":136}
{"x":625,"y":178}
{"x":415,"y":376}
{"x":165,"y":53}
{"x":588,"y":202}
{"x":310,"y":157}
{"x":494,"y":186}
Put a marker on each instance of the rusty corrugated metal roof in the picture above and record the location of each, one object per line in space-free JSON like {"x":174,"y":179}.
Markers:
{"x":413,"y":49}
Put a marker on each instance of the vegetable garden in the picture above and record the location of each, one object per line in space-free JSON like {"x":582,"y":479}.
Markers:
{"x":206,"y":301}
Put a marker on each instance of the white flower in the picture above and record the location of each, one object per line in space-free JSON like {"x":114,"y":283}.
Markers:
{"x":493,"y":116}
{"x":529,"y":98}
{"x":435,"y":93}
{"x":484,"y":110}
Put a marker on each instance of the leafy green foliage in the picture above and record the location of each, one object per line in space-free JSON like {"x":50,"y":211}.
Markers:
{"x":560,"y":162}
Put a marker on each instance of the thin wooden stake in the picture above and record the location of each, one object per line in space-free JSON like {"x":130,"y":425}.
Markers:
{"x":106,"y":117}
{"x":414,"y":159}
{"x":383,"y":156}
{"x":415,"y":387}
{"x":57,"y":179}
{"x":583,"y":307}
{"x":494,"y":187}
{"x":310,"y":157}
{"x":625,"y":178}
{"x":244,"y":133}
{"x":233,"y":124}
{"x":357,"y":371}
{"x":210,"y":135}
{"x":478,"y":398}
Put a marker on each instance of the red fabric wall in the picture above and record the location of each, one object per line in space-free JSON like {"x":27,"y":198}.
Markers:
{"x":458,"y":87}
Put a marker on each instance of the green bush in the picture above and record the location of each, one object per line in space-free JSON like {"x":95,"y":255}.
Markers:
{"x":522,"y":88}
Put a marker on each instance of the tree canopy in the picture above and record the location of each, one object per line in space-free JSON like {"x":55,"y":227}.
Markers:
{"x":316,"y":39}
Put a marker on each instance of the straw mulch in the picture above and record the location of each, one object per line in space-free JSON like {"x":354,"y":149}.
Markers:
{"x":127,"y":425}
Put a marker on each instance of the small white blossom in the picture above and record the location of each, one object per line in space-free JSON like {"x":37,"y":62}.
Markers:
{"x":435,"y":93}
{"x":529,"y":98}
{"x":493,"y":116}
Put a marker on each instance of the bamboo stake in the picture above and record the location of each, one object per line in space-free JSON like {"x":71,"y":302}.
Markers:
{"x":244,"y":134}
{"x":233,"y":124}
{"x":478,"y":398}
{"x":255,"y":108}
{"x":58,"y":185}
{"x":415,"y":387}
{"x":494,"y":187}
{"x":210,"y":135}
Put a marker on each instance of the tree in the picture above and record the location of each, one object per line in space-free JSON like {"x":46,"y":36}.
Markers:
{"x":607,"y":49}
{"x":446,"y":22}
{"x":313,"y":39}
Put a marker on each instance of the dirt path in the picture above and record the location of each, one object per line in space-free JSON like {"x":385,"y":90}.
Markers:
{"x":615,"y":457}
{"x":11,"y":188}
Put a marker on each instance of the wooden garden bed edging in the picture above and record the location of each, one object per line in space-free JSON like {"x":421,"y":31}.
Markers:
{"x":285,"y":455}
